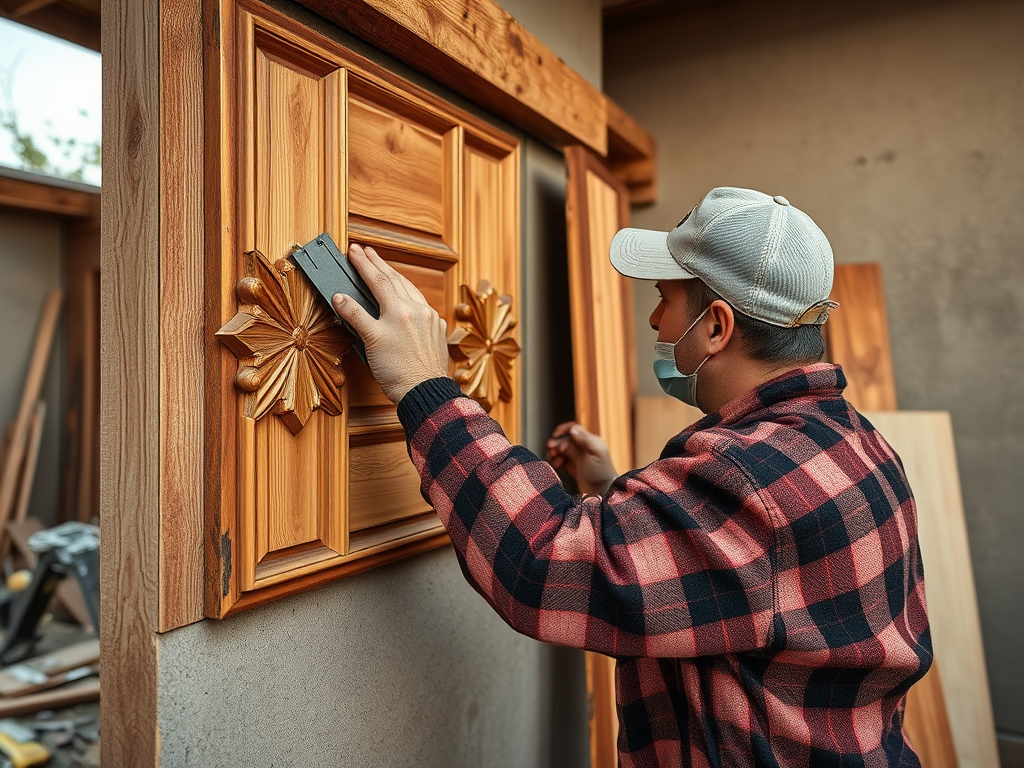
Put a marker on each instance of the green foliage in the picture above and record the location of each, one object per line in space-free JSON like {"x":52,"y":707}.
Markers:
{"x":75,"y":157}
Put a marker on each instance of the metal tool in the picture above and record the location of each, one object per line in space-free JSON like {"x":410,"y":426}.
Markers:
{"x":69,"y":548}
{"x":331,"y":272}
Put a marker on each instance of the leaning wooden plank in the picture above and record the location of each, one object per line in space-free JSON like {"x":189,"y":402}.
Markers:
{"x":82,"y":654}
{"x":34,"y":682}
{"x":656,"y":420}
{"x":29,"y":398}
{"x":857,"y":337}
{"x":28,"y":472}
{"x":75,"y":693}
{"x":926,"y":722}
{"x":924,"y":442}
{"x":479,"y":51}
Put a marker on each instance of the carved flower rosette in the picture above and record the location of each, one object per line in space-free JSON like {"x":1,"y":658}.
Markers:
{"x":484,"y":348}
{"x":288,"y":344}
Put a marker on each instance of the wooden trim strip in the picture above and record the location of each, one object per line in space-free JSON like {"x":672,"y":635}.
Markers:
{"x":49,"y":198}
{"x":182,"y":251}
{"x":479,"y":51}
{"x":130,"y":381}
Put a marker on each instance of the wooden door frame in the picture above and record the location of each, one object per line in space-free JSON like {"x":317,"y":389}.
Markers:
{"x":152,"y":336}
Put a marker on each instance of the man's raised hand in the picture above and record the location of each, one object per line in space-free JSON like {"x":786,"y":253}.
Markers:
{"x":408,"y":344}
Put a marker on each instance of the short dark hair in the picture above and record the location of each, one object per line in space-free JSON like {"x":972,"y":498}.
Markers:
{"x":763,"y":341}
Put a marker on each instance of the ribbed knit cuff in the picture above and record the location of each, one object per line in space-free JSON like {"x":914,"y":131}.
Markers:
{"x":423,"y":399}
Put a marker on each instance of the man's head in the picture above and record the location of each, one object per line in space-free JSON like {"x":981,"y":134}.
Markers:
{"x":760,"y":267}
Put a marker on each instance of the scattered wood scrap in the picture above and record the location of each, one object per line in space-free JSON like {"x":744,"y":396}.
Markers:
{"x":66,"y":696}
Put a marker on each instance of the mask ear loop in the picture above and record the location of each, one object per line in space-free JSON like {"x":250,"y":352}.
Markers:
{"x":692,"y":326}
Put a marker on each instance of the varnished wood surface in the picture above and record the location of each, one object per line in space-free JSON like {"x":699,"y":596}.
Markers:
{"x":603,"y":365}
{"x":924,"y":441}
{"x":656,"y":420}
{"x":926,"y":722}
{"x":857,"y":336}
{"x":312,"y":137}
{"x":182,"y":253}
{"x":130,"y":383}
{"x":14,"y":456}
{"x":604,"y":718}
{"x":482,"y":53}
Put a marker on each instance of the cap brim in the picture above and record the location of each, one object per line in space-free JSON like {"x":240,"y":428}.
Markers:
{"x":643,"y":254}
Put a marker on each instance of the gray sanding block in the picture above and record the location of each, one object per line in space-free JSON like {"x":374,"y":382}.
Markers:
{"x":331,"y":272}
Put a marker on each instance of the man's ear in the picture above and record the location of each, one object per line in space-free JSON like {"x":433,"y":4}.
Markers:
{"x":723,"y":325}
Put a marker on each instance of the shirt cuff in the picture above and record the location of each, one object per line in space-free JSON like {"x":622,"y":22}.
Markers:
{"x":422,"y":400}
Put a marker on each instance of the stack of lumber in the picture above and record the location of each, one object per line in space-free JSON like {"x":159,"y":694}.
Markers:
{"x":61,"y":678}
{"x":21,"y":446}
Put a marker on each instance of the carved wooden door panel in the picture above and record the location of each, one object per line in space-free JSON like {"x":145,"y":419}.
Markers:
{"x":604,"y":366}
{"x":309,"y":477}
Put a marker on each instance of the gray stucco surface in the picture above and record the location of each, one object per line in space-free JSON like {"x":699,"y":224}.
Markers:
{"x":897,"y":126}
{"x":401,"y":666}
{"x":32,"y":264}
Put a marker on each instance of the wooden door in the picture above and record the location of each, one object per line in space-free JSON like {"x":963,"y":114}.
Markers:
{"x":310,"y":477}
{"x":604,"y":368}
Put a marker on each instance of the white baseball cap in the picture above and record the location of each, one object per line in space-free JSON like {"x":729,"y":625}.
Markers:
{"x":769,"y":260}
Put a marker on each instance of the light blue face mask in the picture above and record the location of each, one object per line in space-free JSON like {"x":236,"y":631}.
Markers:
{"x":681,"y":386}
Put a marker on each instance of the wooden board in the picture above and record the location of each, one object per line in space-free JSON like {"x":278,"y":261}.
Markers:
{"x":130,"y":525}
{"x":10,"y":474}
{"x":314,"y":138}
{"x":857,"y":337}
{"x":604,"y":365}
{"x":28,"y":472}
{"x":481,"y":52}
{"x":656,"y":420}
{"x":924,"y":441}
{"x":32,"y":195}
{"x":51,"y":664}
{"x":65,"y":696}
{"x":926,"y":722}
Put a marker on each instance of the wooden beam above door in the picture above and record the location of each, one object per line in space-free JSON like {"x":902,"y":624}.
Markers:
{"x":479,"y":51}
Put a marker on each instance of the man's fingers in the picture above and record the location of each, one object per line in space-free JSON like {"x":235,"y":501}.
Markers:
{"x":358,"y":318}
{"x":563,"y":429}
{"x":379,"y":281}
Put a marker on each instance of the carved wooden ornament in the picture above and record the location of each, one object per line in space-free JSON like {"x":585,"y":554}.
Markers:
{"x":288,"y":344}
{"x":484,"y":350}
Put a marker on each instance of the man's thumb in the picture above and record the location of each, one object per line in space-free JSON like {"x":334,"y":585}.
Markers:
{"x":358,"y":319}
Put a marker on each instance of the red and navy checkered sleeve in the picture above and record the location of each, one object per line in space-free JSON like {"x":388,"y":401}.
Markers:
{"x":669,"y":563}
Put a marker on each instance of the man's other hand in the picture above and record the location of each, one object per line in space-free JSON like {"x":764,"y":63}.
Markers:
{"x":408,"y":344}
{"x":583,"y":455}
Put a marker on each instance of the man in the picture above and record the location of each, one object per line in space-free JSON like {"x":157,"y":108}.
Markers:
{"x":760,"y":584}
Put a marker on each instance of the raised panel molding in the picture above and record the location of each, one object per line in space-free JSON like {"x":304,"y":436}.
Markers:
{"x":308,"y":478}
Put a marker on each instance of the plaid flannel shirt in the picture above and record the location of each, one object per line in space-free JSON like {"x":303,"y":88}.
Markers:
{"x":759,"y":585}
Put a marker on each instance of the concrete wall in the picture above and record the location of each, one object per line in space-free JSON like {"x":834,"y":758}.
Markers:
{"x":405,"y":665}
{"x":898,"y":126}
{"x":32,"y":264}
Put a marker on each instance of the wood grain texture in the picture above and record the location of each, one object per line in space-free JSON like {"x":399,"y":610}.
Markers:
{"x":604,"y":717}
{"x":36,"y":196}
{"x":311,"y":137}
{"x":632,"y":155}
{"x":656,"y":420}
{"x":28,"y":470}
{"x":926,"y":722}
{"x":601,"y":307}
{"x":490,"y":205}
{"x":397,"y":169}
{"x":857,"y":337}
{"x":480,"y":52}
{"x":65,"y":696}
{"x":603,"y":366}
{"x":130,"y":381}
{"x":14,"y":456}
{"x":924,"y":442}
{"x":182,"y":255}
